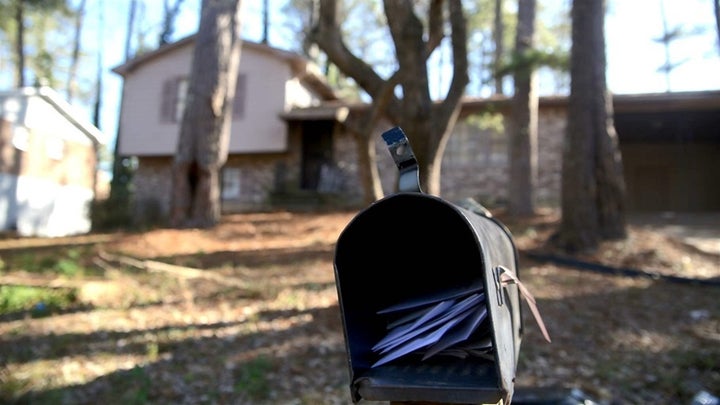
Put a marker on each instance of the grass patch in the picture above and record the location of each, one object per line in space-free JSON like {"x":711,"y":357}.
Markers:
{"x":252,"y":378}
{"x":135,"y":387}
{"x":69,"y":262}
{"x":702,"y":360}
{"x":41,"y":301}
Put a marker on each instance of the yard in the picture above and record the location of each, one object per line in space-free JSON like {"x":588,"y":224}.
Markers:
{"x":247,"y":313}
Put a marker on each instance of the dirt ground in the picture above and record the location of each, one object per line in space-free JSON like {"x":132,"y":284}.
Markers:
{"x":247,"y":313}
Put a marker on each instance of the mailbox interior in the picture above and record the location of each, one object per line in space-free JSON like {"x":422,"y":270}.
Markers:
{"x":399,"y":248}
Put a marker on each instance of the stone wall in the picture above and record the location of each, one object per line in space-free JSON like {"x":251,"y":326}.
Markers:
{"x":152,"y":189}
{"x":476,"y":162}
{"x":475,"y":165}
{"x":152,"y":184}
{"x":260,"y":176}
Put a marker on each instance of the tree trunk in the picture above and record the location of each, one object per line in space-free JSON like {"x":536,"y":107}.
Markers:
{"x":130,"y":29}
{"x":170,"y":13}
{"x":524,"y":118}
{"x":75,"y":60}
{"x":716,"y":7}
{"x":593,"y":190}
{"x":19,"y":44}
{"x":498,"y":34}
{"x":428,"y":125}
{"x":363,"y":130}
{"x":369,"y":175}
{"x":205,"y":130}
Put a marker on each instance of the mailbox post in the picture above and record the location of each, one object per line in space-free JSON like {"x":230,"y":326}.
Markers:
{"x":416,"y":256}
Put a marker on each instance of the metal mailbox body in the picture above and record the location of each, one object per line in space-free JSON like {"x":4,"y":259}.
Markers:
{"x":412,"y":244}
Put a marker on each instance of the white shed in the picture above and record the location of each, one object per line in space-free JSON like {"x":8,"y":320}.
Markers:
{"x":48,"y":160}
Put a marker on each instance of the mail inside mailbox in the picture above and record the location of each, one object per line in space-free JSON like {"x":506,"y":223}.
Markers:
{"x":417,"y":292}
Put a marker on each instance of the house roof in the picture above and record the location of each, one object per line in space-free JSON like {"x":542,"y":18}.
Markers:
{"x":63,"y":108}
{"x":671,"y":101}
{"x":696,"y":109}
{"x":302,"y":67}
{"x":623,"y":103}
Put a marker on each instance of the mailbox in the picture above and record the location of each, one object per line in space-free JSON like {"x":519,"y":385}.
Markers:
{"x":427,"y":314}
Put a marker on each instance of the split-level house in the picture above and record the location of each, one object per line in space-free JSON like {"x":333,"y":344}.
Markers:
{"x":270,"y":83}
{"x":48,"y":164}
{"x":290,"y":147}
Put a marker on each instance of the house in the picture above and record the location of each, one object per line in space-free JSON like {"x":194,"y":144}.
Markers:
{"x":290,"y":147}
{"x":270,"y":82}
{"x":48,"y":162}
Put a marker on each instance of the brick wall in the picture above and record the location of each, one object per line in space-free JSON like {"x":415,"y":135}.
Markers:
{"x":152,"y":184}
{"x":152,"y":188}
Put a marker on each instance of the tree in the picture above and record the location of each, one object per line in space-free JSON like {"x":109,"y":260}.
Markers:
{"x":498,"y":35}
{"x":19,"y":44}
{"x":524,"y":117}
{"x":205,"y":128}
{"x":593,"y":188}
{"x":716,"y":10}
{"x":71,"y":84}
{"x":404,"y":97}
{"x":16,"y":29}
{"x":170,"y":13}
{"x":118,"y":204}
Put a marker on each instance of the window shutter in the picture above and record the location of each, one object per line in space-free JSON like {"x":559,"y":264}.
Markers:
{"x":239,"y":101}
{"x":169,"y":100}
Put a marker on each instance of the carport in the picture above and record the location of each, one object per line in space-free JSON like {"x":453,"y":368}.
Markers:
{"x":670,"y":143}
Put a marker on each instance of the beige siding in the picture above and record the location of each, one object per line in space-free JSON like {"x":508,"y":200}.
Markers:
{"x":269,"y":81}
{"x":261,"y":129}
{"x":141,"y":129}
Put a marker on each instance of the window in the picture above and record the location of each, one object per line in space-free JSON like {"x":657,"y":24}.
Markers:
{"x":181,"y":99}
{"x":174,"y":97}
{"x":230,"y":183}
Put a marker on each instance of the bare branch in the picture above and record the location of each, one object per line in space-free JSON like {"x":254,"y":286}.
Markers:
{"x":435,"y":25}
{"x":326,"y":34}
{"x":459,"y":46}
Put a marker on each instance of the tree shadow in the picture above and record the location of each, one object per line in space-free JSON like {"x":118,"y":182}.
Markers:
{"x":649,"y":341}
{"x":209,"y":368}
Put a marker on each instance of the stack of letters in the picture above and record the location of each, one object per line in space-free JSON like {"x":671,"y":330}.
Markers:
{"x":447,"y":323}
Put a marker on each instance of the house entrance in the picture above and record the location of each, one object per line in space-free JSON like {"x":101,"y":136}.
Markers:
{"x":317,"y":146}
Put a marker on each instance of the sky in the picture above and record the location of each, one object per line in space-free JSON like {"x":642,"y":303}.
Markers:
{"x":633,"y":57}
{"x":631,"y":26}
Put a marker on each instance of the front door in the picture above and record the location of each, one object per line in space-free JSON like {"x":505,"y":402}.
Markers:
{"x":317,"y":149}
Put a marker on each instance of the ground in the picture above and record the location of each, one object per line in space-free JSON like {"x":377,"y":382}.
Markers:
{"x":247,"y":313}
